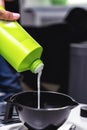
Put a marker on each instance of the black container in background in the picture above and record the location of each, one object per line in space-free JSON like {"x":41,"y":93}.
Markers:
{"x":78,"y":72}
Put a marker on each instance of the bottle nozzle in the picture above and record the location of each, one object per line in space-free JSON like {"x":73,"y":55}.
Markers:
{"x":37,"y":66}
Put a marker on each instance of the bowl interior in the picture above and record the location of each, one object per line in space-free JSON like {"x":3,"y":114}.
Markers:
{"x":47,"y":99}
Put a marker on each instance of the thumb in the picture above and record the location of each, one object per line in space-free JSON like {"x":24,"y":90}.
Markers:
{"x":7,"y":15}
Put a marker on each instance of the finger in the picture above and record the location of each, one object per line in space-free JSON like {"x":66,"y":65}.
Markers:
{"x":7,"y":15}
{"x":2,"y":3}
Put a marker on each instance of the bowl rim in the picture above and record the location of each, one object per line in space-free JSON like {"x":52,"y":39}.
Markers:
{"x":42,"y":109}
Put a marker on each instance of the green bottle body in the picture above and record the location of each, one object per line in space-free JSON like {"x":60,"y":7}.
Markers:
{"x":59,"y":2}
{"x":18,"y":47}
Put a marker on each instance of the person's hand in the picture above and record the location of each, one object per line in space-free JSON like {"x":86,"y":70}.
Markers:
{"x":7,"y":15}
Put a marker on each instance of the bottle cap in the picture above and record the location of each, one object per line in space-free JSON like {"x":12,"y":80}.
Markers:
{"x":83,"y":111}
{"x":36,"y":66}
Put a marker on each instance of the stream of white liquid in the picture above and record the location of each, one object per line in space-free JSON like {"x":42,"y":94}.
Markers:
{"x":38,"y":87}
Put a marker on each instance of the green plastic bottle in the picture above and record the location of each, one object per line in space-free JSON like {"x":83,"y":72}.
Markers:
{"x":59,"y":2}
{"x":19,"y":48}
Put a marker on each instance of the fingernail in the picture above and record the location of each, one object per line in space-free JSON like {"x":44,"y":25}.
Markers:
{"x":16,"y":15}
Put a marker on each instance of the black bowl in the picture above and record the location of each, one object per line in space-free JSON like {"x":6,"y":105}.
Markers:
{"x":54,"y":108}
